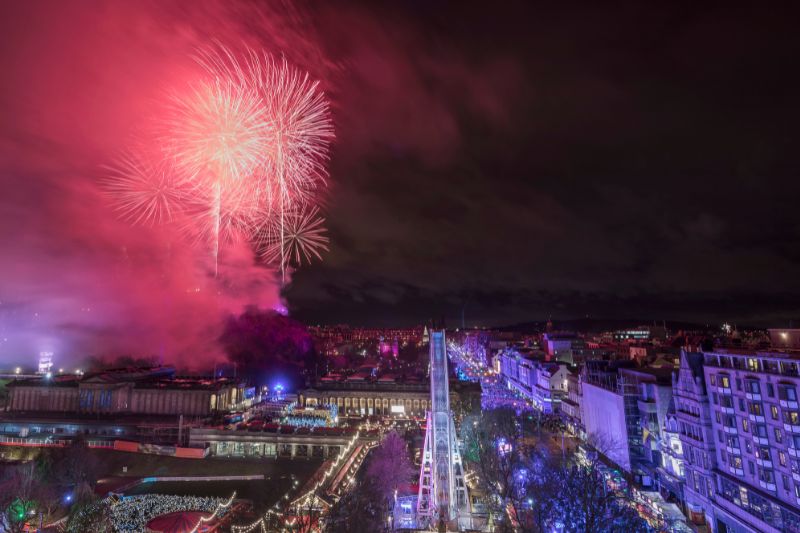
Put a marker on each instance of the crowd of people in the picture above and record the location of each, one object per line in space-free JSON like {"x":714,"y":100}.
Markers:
{"x":132,"y":513}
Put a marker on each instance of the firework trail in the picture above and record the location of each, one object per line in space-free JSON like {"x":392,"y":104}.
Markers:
{"x":144,"y":192}
{"x":303,"y":238}
{"x":299,"y":130}
{"x":216,"y":135}
{"x":245,"y":153}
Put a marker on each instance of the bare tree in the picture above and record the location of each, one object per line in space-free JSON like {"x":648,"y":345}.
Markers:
{"x":390,"y":466}
{"x":497,"y":456}
{"x":359,"y":510}
{"x":18,"y":490}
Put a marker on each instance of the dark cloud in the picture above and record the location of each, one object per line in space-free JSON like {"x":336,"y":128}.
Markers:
{"x":527,"y":161}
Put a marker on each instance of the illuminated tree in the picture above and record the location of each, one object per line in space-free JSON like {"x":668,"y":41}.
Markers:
{"x":390,"y":466}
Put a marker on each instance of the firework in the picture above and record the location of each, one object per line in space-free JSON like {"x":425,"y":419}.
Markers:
{"x":244,"y":155}
{"x":303,"y":238}
{"x":299,"y":129}
{"x":217,"y":136}
{"x":144,"y":191}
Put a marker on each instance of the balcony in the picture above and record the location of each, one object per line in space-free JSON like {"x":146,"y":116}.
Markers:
{"x":767,"y":485}
{"x":727,"y":410}
{"x":792,"y":451}
{"x":766,"y":463}
{"x":733,"y":450}
{"x":736,"y":471}
{"x":788,"y":404}
{"x":730,"y":430}
{"x":756,"y":418}
{"x":761,"y":440}
{"x":724,"y":390}
{"x":796,"y":476}
{"x":791,"y":428}
{"x":755,"y":396}
{"x":647,"y":406}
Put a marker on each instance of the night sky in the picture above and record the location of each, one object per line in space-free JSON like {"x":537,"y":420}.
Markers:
{"x":525,"y":162}
{"x":515,"y":162}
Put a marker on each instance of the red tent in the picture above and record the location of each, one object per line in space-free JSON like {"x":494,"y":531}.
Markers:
{"x":181,"y":522}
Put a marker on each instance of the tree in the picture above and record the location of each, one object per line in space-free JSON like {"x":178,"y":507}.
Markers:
{"x":89,"y":514}
{"x":359,"y":510}
{"x":265,"y":342}
{"x":390,"y":466}
{"x":575,"y":495}
{"x":495,"y":452}
{"x":23,"y":497}
{"x":75,"y":466}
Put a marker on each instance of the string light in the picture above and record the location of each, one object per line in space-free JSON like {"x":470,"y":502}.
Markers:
{"x":297,"y":502}
{"x":220,"y":506}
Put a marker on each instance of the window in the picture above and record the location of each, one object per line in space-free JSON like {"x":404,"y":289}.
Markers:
{"x":778,"y":435}
{"x":745,"y":425}
{"x":752,"y":386}
{"x":766,"y":475}
{"x":736,"y":462}
{"x":741,"y":404}
{"x":785,"y":480}
{"x":761,"y":431}
{"x":719,"y":434}
{"x":770,"y":390}
{"x":748,"y":446}
{"x":756,"y":409}
{"x":782,"y":458}
{"x":787,"y":393}
{"x":751,"y":467}
{"x":738,"y":384}
{"x":713,"y":380}
{"x":762,"y":452}
{"x":791,"y":417}
{"x":773,"y":409}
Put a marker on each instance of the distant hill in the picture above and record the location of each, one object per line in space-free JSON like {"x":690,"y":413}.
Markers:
{"x":597,"y":325}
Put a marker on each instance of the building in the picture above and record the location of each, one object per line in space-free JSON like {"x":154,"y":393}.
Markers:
{"x":755,"y":421}
{"x":383,"y":395}
{"x":571,"y":405}
{"x":550,"y":387}
{"x":151,"y":391}
{"x":623,"y":413}
{"x":670,"y":473}
{"x":696,"y":434}
{"x":784,"y":339}
{"x":45,"y":363}
{"x":542,"y":384}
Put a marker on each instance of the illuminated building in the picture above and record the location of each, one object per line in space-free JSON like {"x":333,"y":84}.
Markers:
{"x":571,"y":405}
{"x":755,"y":420}
{"x":670,"y":473}
{"x":123,"y":391}
{"x":368,"y":397}
{"x":543,"y":384}
{"x":784,"y":339}
{"x":45,"y":362}
{"x":625,"y":411}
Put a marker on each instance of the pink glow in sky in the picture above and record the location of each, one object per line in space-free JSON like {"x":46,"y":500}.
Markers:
{"x":75,"y":279}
